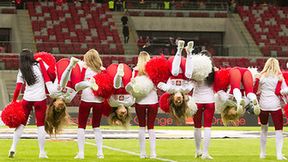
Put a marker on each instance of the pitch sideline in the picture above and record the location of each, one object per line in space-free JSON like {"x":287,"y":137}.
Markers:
{"x":129,"y":152}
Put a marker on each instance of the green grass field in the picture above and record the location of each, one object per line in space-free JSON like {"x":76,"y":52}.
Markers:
{"x":182,"y":150}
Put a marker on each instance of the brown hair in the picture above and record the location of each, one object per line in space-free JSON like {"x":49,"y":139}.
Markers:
{"x":178,"y":112}
{"x":56,"y":119}
{"x":114,"y":120}
{"x":93,"y":60}
{"x":232,"y":118}
{"x":143,"y":58}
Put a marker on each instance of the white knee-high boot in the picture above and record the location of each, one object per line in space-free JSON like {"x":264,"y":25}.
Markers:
{"x":206,"y":141}
{"x":41,"y":142}
{"x":197,"y":138}
{"x":188,"y":65}
{"x":263,"y":140}
{"x":152,"y":138}
{"x":80,"y":142}
{"x":177,"y":59}
{"x":142,"y":141}
{"x":16,"y":137}
{"x":99,"y":142}
{"x":279,"y":144}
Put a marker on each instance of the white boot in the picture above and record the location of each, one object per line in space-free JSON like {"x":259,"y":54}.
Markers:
{"x":197,"y":138}
{"x":206,"y":141}
{"x":279,"y":144}
{"x":188,"y":66}
{"x":16,"y":137}
{"x":152,"y":138}
{"x":177,"y":59}
{"x":253,"y":98}
{"x":142,"y":141}
{"x":240,"y":102}
{"x":263,"y":141}
{"x":80,"y":142}
{"x":41,"y":142}
{"x":99,"y":142}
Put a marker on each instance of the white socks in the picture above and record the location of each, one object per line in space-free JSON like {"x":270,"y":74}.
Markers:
{"x":16,"y":136}
{"x":189,"y":66}
{"x":279,"y":144}
{"x":197,"y":138}
{"x":152,"y":138}
{"x":41,"y":141}
{"x":142,"y":142}
{"x":263,"y":140}
{"x":177,"y":59}
{"x":206,"y":140}
{"x":99,"y":142}
{"x":81,"y":142}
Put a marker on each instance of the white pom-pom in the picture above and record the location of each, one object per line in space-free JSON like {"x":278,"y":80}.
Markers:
{"x":202,"y":67}
{"x":140,"y":87}
{"x":254,"y":72}
{"x":192,"y":107}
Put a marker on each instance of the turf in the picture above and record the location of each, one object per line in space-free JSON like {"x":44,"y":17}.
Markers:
{"x":182,"y":150}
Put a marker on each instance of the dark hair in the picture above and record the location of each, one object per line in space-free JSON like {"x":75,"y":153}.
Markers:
{"x":114,"y":120}
{"x":26,"y":66}
{"x":210,"y":78}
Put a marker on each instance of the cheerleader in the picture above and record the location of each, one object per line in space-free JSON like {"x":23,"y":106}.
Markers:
{"x":178,"y":85}
{"x":233,"y":105}
{"x":62,"y":92}
{"x":93,"y":63}
{"x":270,"y":83}
{"x":34,"y":96}
{"x":203,"y":95}
{"x":146,"y":106}
{"x":120,"y":101}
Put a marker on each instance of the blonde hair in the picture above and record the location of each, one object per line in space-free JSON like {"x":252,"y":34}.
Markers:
{"x":180,"y":112}
{"x":93,"y":60}
{"x":232,"y":118}
{"x":143,"y":58}
{"x":271,"y":67}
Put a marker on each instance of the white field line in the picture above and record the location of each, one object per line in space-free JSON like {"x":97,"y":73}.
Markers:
{"x":128,"y":152}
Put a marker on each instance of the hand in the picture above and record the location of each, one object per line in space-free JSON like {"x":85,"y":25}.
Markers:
{"x":162,"y":86}
{"x":38,"y":59}
{"x":257,"y":76}
{"x":280,"y":77}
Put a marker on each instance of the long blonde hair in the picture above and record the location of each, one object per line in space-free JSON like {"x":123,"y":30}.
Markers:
{"x":143,"y":58}
{"x":93,"y":60}
{"x":271,"y":68}
{"x":229,"y":119}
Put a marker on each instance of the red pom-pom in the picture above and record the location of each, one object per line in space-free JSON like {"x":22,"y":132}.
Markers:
{"x":285,"y":75}
{"x":164,"y":102}
{"x":221,"y":79}
{"x":106,"y":108}
{"x":50,"y":60}
{"x":158,"y":69}
{"x":286,"y":110}
{"x":182,"y":66}
{"x":13,"y":115}
{"x":112,"y":70}
{"x":105,"y":84}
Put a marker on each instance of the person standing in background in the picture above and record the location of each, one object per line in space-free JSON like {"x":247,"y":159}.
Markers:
{"x":126,"y":33}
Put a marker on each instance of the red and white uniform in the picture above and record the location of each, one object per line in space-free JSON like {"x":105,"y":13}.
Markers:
{"x":88,"y":101}
{"x":34,"y":95}
{"x":270,"y":101}
{"x":204,"y":98}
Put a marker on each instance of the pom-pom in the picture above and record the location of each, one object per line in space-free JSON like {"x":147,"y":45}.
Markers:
{"x":254,"y":72}
{"x":105,"y":84}
{"x":112,"y":70}
{"x":13,"y":115}
{"x":140,"y":86}
{"x":164,"y":102}
{"x":202,"y":67}
{"x":221,"y":79}
{"x":49,"y":60}
{"x":158,"y":69}
{"x":192,"y":107}
{"x":106,"y":108}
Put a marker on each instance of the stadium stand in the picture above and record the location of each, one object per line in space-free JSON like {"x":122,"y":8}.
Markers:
{"x":60,"y":28}
{"x":268,"y":26}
